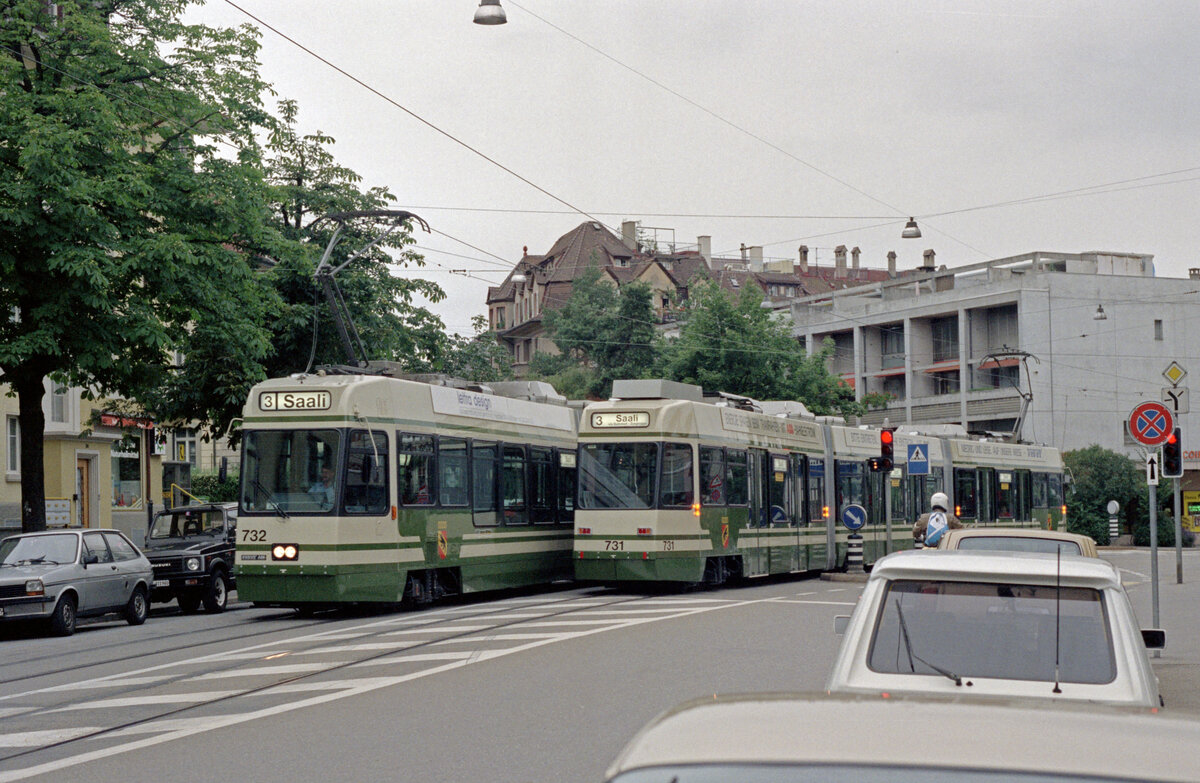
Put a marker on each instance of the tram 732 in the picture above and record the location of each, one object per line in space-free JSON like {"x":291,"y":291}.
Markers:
{"x":367,"y":488}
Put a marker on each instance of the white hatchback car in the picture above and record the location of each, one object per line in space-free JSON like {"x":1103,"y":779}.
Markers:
{"x":998,"y":624}
{"x":823,"y":738}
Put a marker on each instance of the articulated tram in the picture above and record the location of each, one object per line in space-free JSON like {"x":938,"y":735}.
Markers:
{"x":360,"y":488}
{"x":367,"y":488}
{"x":678,"y":486}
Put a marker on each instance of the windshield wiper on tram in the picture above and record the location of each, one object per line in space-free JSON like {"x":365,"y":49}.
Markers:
{"x":271,"y":504}
{"x":913,"y":656}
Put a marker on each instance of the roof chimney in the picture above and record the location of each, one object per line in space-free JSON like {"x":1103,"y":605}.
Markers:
{"x":927,"y":263}
{"x":629,"y":234}
{"x":705,"y":243}
{"x":839,"y":261}
{"x":744,"y":252}
{"x":1194,"y":273}
{"x":891,"y":263}
{"x":756,"y":258}
{"x":804,"y":259}
{"x":854,"y":260}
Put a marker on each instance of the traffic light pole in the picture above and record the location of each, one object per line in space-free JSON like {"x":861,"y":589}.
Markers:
{"x":1178,"y":536}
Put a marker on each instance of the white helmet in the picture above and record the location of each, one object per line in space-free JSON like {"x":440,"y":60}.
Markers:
{"x":939,"y":500}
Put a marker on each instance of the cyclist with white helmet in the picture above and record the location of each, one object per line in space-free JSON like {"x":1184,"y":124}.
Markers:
{"x":931,"y":525}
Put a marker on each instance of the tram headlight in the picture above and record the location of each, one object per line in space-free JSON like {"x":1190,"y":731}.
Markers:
{"x":285,"y":552}
{"x":192,"y":564}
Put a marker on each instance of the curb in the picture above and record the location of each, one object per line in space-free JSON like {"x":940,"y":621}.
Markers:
{"x":839,"y":576}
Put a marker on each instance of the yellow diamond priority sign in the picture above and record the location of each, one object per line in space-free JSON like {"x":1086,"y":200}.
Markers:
{"x":1174,"y":373}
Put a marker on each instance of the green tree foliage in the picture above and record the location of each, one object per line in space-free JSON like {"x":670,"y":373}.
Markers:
{"x":1098,"y":476}
{"x":604,"y":332}
{"x":130,"y":201}
{"x":209,"y":486}
{"x":477,"y":358}
{"x":736,"y":346}
{"x":308,"y":184}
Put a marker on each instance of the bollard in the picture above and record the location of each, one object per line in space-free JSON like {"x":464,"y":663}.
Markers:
{"x":1113,"y":531}
{"x":854,"y":554}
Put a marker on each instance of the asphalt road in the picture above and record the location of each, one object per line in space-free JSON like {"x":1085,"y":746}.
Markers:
{"x":544,"y":686}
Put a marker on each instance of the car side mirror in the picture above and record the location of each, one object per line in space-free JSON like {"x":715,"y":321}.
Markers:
{"x":840,"y":623}
{"x":1154,"y":638}
{"x":90,"y":558}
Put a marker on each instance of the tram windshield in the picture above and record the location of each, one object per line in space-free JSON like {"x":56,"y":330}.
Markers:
{"x":1007,"y":631}
{"x":617,"y":475}
{"x":291,"y":471}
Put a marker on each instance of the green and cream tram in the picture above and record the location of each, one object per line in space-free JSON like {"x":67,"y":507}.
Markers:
{"x":365,"y":488}
{"x":679,"y":486}
{"x":675,"y":488}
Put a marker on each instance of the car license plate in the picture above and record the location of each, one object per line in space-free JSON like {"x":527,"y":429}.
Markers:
{"x":161,"y":583}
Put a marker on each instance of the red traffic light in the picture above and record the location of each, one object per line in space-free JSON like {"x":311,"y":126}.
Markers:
{"x":886,"y":436}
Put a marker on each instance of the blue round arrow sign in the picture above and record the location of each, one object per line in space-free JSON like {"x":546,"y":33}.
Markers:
{"x":854,"y":516}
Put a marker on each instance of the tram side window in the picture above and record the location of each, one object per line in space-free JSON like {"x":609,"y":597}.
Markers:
{"x":816,"y":492}
{"x":964,"y":492}
{"x":712,"y":476}
{"x":1055,"y":490}
{"x":541,"y":486}
{"x":367,"y":473}
{"x":414,"y":470}
{"x":1040,"y":485}
{"x":737,"y":475}
{"x":512,"y":478}
{"x":452,"y":467}
{"x":566,"y":486}
{"x":676,"y":486}
{"x":850,"y":485}
{"x":483,"y":483}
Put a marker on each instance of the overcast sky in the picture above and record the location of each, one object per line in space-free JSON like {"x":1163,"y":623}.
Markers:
{"x":770,"y":123}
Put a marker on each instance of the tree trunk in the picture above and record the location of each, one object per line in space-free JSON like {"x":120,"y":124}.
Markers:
{"x":30,"y":391}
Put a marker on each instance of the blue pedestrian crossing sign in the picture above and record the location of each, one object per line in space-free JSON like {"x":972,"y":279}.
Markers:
{"x":918,"y":459}
{"x":854,"y":516}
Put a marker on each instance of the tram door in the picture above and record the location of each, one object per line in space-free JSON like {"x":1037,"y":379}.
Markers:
{"x":754,"y":553}
{"x":781,"y":532}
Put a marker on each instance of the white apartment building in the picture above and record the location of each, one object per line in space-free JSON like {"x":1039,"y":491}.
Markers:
{"x":1076,"y":340}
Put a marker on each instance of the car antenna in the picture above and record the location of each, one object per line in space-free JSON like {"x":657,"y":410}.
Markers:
{"x":1057,"y":617}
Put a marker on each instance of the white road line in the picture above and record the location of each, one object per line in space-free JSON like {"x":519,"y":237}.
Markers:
{"x":401,"y":657}
{"x":442,"y":629}
{"x":222,"y":721}
{"x":365,"y":647}
{"x":502,"y":637}
{"x":287,"y":668}
{"x":559,"y":623}
{"x":33,"y":739}
{"x":72,"y":686}
{"x":815,"y":603}
{"x":139,"y":701}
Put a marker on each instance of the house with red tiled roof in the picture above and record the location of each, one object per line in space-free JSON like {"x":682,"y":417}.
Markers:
{"x":539,"y":283}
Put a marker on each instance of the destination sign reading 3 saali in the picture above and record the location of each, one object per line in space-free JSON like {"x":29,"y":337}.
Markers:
{"x":637,"y":419}
{"x":295,"y":400}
